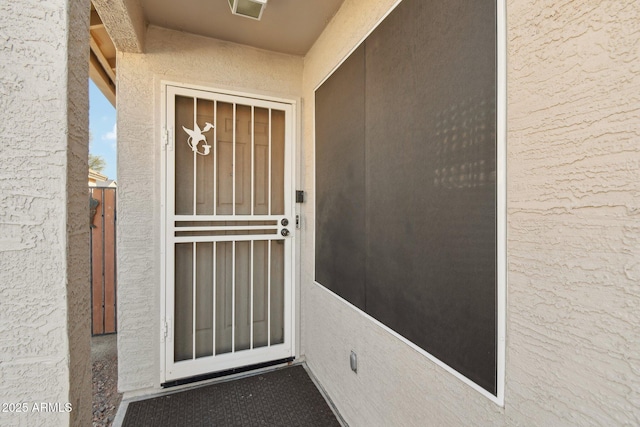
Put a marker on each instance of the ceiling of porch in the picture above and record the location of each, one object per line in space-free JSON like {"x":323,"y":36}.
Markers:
{"x":287,"y":26}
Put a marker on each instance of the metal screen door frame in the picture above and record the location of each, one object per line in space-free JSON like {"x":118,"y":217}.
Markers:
{"x":171,"y":369}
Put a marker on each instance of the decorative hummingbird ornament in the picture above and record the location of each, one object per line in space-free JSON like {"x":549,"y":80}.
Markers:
{"x":196,"y":136}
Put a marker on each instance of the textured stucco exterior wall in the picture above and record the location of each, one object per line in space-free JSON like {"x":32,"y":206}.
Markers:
{"x":574,"y":211}
{"x":44,"y":233}
{"x":177,"y":57}
{"x":573,"y":246}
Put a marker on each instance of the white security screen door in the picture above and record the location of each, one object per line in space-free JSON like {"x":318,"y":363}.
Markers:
{"x":229,"y":226}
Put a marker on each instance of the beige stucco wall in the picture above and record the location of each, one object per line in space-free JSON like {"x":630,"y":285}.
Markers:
{"x":125,"y":22}
{"x":177,"y":57}
{"x":44,"y":230}
{"x":573,"y":246}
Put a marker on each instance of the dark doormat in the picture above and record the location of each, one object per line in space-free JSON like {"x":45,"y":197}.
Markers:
{"x":286,"y":397}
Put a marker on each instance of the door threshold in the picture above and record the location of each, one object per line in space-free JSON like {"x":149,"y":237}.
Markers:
{"x":212,"y":375}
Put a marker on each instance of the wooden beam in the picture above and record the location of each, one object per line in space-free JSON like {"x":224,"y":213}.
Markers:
{"x":103,"y":61}
{"x":101,"y":79}
{"x":95,"y":22}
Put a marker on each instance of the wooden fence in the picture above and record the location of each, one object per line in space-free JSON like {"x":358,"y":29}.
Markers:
{"x":103,"y":260}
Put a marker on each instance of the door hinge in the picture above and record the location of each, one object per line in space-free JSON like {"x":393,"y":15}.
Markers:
{"x":165,"y":330}
{"x":167,"y":142}
{"x":164,"y":135}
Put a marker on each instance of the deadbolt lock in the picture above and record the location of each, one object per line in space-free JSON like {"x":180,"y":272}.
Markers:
{"x":284,"y":222}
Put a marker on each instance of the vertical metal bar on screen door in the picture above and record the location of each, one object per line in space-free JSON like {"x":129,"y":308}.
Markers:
{"x":215,"y":155}
{"x":251,"y":294}
{"x":193,"y":302}
{"x":213,"y":323}
{"x":269,"y":161}
{"x":233,"y":296}
{"x":195,"y":158}
{"x":269,"y":292}
{"x":253,"y":182}
{"x":233,"y":173}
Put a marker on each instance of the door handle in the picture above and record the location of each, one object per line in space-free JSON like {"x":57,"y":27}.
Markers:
{"x":284,"y":232}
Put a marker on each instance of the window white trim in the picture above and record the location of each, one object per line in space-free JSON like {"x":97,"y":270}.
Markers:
{"x":501,"y":188}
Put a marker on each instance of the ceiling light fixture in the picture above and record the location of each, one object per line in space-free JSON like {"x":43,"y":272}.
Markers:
{"x":248,"y":8}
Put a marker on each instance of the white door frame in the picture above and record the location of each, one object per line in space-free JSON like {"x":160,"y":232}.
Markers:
{"x":291,"y":179}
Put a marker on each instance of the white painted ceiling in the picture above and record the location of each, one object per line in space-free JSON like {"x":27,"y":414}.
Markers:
{"x":287,"y":26}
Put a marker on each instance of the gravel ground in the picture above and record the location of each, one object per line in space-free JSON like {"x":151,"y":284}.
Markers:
{"x":106,"y":399}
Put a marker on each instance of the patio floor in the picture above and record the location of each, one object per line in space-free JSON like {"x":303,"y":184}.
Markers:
{"x":284,"y":397}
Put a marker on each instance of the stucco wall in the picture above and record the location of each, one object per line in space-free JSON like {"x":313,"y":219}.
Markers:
{"x":44,"y":232}
{"x":573,"y":246}
{"x":125,"y":21}
{"x":176,"y":57}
